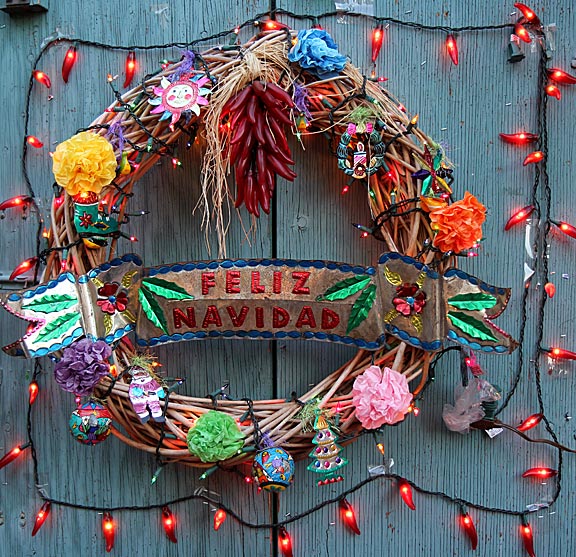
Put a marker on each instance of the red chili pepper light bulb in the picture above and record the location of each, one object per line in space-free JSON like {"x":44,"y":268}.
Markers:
{"x":528,"y":14}
{"x":406,"y":494}
{"x":108,"y":530}
{"x":535,"y":156}
{"x":519,"y":216}
{"x":468,"y":526}
{"x":550,"y":289}
{"x":12,"y":455}
{"x":520,"y":138}
{"x":169,"y":523}
{"x":69,"y":60}
{"x":530,"y":422}
{"x":41,"y":77}
{"x":349,"y":516}
{"x":452,"y":48}
{"x":130,"y":68}
{"x":527,"y":537}
{"x":522,"y":33}
{"x":377,"y":39}
{"x":553,"y":91}
{"x":561,"y":354}
{"x":271,"y":25}
{"x":566,"y":228}
{"x":25,"y":266}
{"x":33,"y":141}
{"x":285,"y":542}
{"x":18,"y":201}
{"x":560,"y":76}
{"x":219,"y":518}
{"x":41,"y":516}
{"x":540,"y":472}
{"x":32,"y":392}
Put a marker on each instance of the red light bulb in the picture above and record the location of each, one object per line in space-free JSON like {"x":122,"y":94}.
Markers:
{"x":18,"y":201}
{"x":553,"y":91}
{"x":169,"y":523}
{"x":219,"y":518}
{"x":469,"y":528}
{"x":550,"y":289}
{"x":69,"y":60}
{"x":25,"y":266}
{"x":527,"y":537}
{"x":528,"y":14}
{"x":285,"y":542}
{"x":520,"y":138}
{"x":406,"y":494}
{"x":561,"y":354}
{"x":566,"y":228}
{"x":377,"y":38}
{"x":34,"y":141}
{"x":535,"y":156}
{"x":521,"y":32}
{"x":41,"y":517}
{"x":530,"y":422}
{"x":32,"y":392}
{"x":519,"y":216}
{"x":452,"y":48}
{"x":130,"y":68}
{"x":12,"y":455}
{"x":560,"y":76}
{"x":349,"y":516}
{"x":272,"y":25}
{"x":41,"y":77}
{"x":540,"y":473}
{"x":108,"y":530}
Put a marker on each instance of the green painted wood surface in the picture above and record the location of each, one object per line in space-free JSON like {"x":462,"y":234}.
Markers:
{"x":465,"y":107}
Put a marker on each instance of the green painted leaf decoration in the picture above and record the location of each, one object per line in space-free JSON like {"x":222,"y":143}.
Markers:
{"x":127,"y":279}
{"x":55,"y":329}
{"x":51,"y":303}
{"x":345,"y":288}
{"x":108,"y":323}
{"x":470,"y":325}
{"x":165,"y":289}
{"x":151,"y":308}
{"x":473,"y":301}
{"x":392,"y":277}
{"x":361,"y":307}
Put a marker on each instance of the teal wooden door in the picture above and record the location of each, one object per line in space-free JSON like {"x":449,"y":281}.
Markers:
{"x":464,"y":107}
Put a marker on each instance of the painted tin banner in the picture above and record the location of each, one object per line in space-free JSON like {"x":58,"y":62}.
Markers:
{"x":262,"y":299}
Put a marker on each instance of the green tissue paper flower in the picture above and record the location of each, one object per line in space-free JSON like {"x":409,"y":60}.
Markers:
{"x":215,"y":436}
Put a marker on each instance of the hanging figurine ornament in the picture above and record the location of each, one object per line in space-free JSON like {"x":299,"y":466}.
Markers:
{"x":366,"y":159}
{"x":182,"y":97}
{"x":436,"y":176}
{"x":326,"y":456}
{"x":145,"y":391}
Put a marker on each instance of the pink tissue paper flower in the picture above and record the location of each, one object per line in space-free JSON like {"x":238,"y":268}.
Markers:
{"x":380,"y":397}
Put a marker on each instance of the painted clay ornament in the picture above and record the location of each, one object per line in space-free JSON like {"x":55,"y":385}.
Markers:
{"x":145,"y":393}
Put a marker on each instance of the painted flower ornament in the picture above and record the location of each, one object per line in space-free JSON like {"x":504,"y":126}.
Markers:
{"x":184,"y":96}
{"x":112,"y":298}
{"x":410,"y":299}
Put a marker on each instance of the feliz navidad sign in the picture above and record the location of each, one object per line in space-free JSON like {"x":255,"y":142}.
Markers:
{"x":262,"y":299}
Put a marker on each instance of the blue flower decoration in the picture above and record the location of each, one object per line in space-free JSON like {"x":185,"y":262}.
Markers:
{"x":316,"y":50}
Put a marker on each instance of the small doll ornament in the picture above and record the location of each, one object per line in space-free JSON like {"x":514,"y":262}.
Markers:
{"x":145,"y":393}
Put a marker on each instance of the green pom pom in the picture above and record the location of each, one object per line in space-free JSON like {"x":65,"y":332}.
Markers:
{"x":215,"y":436}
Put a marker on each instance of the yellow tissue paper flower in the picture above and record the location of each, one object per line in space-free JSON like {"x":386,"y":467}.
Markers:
{"x":84,"y":163}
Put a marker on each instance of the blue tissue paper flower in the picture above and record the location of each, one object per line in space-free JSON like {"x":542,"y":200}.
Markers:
{"x":316,"y":50}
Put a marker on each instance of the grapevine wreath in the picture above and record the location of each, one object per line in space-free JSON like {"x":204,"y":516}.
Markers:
{"x":245,"y":101}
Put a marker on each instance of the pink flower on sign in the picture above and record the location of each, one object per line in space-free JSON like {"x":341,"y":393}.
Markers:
{"x":380,"y":397}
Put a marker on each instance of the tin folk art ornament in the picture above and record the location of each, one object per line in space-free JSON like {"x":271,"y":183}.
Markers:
{"x":90,"y":423}
{"x":273,"y":469}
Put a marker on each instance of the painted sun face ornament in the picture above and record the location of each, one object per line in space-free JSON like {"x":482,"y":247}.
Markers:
{"x":182,"y":97}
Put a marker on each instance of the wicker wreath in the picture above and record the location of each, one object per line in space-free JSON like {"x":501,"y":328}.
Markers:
{"x":264,"y":58}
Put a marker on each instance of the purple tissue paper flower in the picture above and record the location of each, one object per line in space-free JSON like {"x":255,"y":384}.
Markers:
{"x":82,"y":365}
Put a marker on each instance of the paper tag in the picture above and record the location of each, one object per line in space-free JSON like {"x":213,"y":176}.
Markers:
{"x":493,"y":432}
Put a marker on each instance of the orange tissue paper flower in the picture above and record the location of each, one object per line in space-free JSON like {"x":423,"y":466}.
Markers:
{"x":84,"y":163}
{"x":458,"y":226}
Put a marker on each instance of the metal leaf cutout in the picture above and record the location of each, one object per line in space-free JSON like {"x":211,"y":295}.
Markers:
{"x":420,"y":280}
{"x":391,"y":315}
{"x":97,"y":282}
{"x":345,"y":288}
{"x":152,"y":309}
{"x":471,"y":326}
{"x":392,"y":277}
{"x":416,"y":321}
{"x":51,"y":303}
{"x":165,"y":289}
{"x":127,"y":279}
{"x":55,"y":329}
{"x":361,"y":307}
{"x":108,"y":324}
{"x":473,"y":301}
